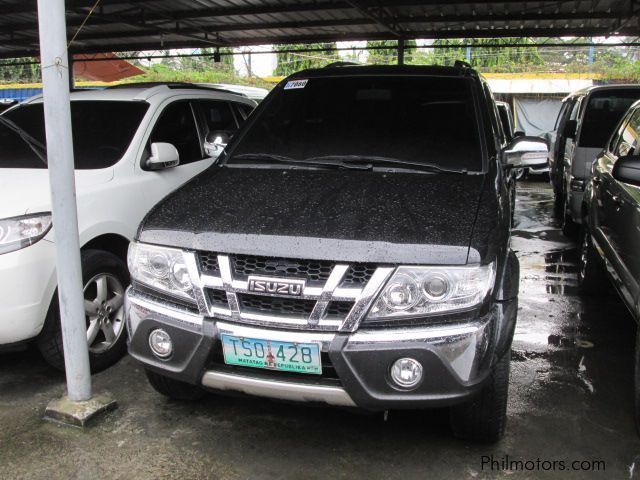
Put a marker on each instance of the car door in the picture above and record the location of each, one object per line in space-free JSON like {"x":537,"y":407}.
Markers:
{"x":178,"y":126}
{"x":621,"y":206}
{"x":569,"y":146}
{"x":557,"y":143}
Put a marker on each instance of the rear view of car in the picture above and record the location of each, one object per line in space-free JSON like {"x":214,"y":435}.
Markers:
{"x":594,"y":116}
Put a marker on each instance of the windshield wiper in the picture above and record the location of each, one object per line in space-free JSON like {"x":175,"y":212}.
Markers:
{"x":38,"y":148}
{"x":355,"y":162}
{"x":378,"y":160}
{"x":309,"y":162}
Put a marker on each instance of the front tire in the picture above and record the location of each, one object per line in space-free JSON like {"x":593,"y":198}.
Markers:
{"x":484,"y":417}
{"x":174,"y":389}
{"x":591,"y":274}
{"x":105,"y":278}
{"x":570,"y":228}
{"x":636,"y":386}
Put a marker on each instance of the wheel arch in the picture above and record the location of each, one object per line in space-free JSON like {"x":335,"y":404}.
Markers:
{"x":109,"y":242}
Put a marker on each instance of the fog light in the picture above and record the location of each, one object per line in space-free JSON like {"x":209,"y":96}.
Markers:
{"x":160,"y":343}
{"x":406,"y":372}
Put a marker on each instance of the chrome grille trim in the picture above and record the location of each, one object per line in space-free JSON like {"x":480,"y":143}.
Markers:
{"x":332,"y":290}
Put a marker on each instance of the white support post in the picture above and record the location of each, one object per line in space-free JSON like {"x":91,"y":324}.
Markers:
{"x":57,"y":114}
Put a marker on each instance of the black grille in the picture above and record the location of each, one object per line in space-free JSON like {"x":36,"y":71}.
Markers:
{"x":209,"y":262}
{"x":289,"y":306}
{"x":339,"y":309}
{"x":218,"y":298}
{"x":312,"y":270}
{"x":359,"y":273}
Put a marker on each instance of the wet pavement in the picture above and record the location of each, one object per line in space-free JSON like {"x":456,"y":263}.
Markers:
{"x":570,"y":400}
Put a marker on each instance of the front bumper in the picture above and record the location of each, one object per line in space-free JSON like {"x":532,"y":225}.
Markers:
{"x":27,"y":284}
{"x":456,"y":358}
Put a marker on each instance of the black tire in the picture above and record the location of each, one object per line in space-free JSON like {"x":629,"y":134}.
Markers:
{"x":570,"y":229}
{"x":94,"y":264}
{"x":173,"y":389}
{"x":636,"y":383}
{"x":484,"y":417}
{"x":592,"y":279}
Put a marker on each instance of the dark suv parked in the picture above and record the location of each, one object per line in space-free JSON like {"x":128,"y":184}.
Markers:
{"x":586,"y":120}
{"x":611,"y":221}
{"x":351,"y":247}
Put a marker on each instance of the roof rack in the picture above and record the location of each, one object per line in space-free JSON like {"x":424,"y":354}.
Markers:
{"x":145,"y":85}
{"x":340,"y":64}
{"x":461,"y":65}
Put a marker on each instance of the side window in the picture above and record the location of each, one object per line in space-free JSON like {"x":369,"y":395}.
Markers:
{"x":493,"y":113}
{"x":575,"y":109}
{"x":177,"y":126}
{"x":630,"y":137}
{"x":562,"y":113}
{"x":243,"y":109}
{"x":217,"y":115}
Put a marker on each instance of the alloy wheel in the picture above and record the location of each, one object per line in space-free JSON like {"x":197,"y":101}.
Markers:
{"x":104,"y":310}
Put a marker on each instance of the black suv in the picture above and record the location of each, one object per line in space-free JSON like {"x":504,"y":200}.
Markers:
{"x":611,"y":222}
{"x":350,"y":247}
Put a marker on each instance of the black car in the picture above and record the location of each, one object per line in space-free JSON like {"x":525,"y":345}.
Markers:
{"x":351,"y":247}
{"x":610,"y":241}
{"x":586,"y":120}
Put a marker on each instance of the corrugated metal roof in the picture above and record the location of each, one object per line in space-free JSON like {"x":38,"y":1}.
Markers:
{"x":130,"y":25}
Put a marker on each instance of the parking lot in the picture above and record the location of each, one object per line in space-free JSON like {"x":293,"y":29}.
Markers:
{"x":570,"y":400}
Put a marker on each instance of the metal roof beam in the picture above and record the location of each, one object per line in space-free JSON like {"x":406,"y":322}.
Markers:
{"x":379,"y":15}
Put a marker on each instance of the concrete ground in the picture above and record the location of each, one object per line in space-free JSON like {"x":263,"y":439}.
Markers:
{"x":570,"y":400}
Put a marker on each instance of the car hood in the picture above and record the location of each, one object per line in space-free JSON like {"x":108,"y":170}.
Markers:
{"x":26,"y":190}
{"x":342,"y":215}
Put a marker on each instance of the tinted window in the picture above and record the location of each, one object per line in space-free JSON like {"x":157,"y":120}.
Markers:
{"x":630,"y":137}
{"x":217,"y":115}
{"x":15,"y":152}
{"x":604,"y":111}
{"x":420,"y":119}
{"x":503,"y":110}
{"x":562,"y":113}
{"x":177,"y":126}
{"x":102,"y":132}
{"x":245,"y":110}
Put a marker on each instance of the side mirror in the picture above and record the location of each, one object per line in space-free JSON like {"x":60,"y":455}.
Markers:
{"x":163,"y":155}
{"x":570,"y":128}
{"x":526,"y":152}
{"x":627,"y":170}
{"x":215,"y":142}
{"x":518,"y":133}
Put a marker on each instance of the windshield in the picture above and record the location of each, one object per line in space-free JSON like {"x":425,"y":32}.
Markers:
{"x":604,"y":111}
{"x":428,"y":120}
{"x":102,"y":132}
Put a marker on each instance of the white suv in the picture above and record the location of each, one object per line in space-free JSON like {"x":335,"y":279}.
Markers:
{"x":132,"y":147}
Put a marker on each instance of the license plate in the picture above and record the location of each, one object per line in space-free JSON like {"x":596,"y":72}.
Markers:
{"x":272,"y":354}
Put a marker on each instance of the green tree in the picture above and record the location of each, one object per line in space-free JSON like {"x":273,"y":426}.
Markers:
{"x":385,"y":52}
{"x":12,"y":72}
{"x":290,"y":62}
{"x":495,"y":54}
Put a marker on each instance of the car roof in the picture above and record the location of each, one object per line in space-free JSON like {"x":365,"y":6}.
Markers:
{"x":459,"y":70}
{"x":599,"y":88}
{"x":131,"y":93}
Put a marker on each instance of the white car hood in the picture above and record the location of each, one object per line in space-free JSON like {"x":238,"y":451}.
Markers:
{"x":27,"y":190}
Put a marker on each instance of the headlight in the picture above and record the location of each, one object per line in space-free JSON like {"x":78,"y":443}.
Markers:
{"x":418,"y":291}
{"x":20,"y":232}
{"x":162,"y":268}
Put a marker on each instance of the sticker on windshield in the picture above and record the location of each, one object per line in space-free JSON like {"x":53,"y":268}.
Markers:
{"x":296,"y":84}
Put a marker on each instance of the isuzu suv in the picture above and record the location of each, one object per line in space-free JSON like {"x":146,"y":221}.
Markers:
{"x":350,"y":246}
